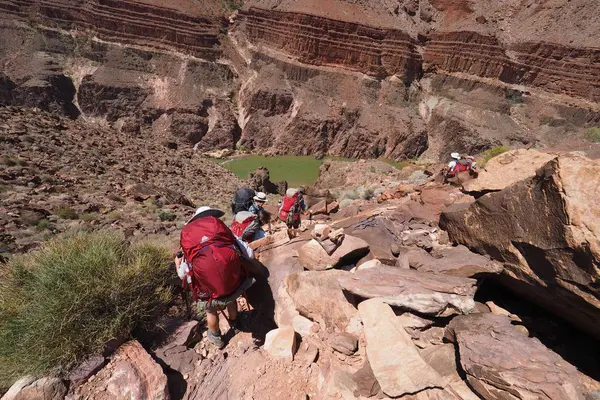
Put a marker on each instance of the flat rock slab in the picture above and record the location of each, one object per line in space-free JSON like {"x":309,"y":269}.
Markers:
{"x":426,"y":293}
{"x":313,"y":257}
{"x":28,"y":388}
{"x":395,"y":360}
{"x":506,"y":169}
{"x":318,"y":296}
{"x":455,"y":261}
{"x":502,"y":363}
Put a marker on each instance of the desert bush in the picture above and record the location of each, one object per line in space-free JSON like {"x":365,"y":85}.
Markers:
{"x":66,"y":212}
{"x":116,"y":197}
{"x":493,"y":152}
{"x":64,"y":302}
{"x":113,"y":215}
{"x":593,"y":135}
{"x":88,"y":217}
{"x":44,"y":225}
{"x":166,"y":215}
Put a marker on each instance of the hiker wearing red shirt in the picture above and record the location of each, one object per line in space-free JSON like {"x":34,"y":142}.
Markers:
{"x":292,"y":206}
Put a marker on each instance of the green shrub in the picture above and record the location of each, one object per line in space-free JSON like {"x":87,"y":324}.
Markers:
{"x":593,"y":135}
{"x":113,"y":215}
{"x":493,"y":152}
{"x":62,"y":303}
{"x":88,"y":217}
{"x":66,"y":212}
{"x":44,"y":225}
{"x":166,"y":215}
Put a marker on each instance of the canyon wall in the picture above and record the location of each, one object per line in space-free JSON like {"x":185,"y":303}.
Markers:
{"x":344,"y":77}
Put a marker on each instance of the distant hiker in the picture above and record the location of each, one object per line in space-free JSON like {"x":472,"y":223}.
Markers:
{"x":292,"y":206}
{"x":212,"y":264}
{"x":242,"y":200}
{"x":258,"y":203}
{"x":460,"y":163}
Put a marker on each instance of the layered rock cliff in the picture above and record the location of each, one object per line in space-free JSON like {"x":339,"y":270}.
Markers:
{"x":351,"y":78}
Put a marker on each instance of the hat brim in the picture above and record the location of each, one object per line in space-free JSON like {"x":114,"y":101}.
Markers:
{"x":260,"y":200}
{"x":213,"y":212}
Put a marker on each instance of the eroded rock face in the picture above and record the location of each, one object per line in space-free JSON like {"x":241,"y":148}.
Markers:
{"x":396,"y":363}
{"x":418,"y":291}
{"x":455,"y":261}
{"x":131,"y":374}
{"x":546,"y":231}
{"x":501,"y":363}
{"x":318,"y":296}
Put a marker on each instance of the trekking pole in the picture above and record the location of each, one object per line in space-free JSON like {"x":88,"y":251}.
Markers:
{"x":188,"y":307}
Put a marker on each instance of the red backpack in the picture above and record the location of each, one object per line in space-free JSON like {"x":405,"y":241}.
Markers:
{"x":238,"y":228}
{"x":290,"y":205}
{"x":212,"y":253}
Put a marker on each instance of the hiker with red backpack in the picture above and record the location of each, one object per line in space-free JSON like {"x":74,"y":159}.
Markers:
{"x":292,"y":206}
{"x":460,"y":163}
{"x":213,"y":265}
{"x":248,"y":226}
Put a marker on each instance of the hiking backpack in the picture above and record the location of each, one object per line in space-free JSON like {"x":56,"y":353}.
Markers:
{"x":246,"y":229}
{"x":212,"y":252}
{"x":242,"y":200}
{"x":462,"y":165}
{"x":290,"y":209}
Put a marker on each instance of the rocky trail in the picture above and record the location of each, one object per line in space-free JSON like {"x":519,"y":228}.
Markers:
{"x":377,"y":300}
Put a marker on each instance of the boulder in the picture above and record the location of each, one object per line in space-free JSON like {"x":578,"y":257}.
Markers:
{"x":131,"y":374}
{"x":546,"y":231}
{"x":313,"y":257}
{"x":28,"y":388}
{"x":345,"y":343}
{"x":280,"y":343}
{"x":501,"y":363}
{"x":442,"y":358}
{"x":508,"y":168}
{"x":86,"y":369}
{"x":395,"y":361}
{"x":318,"y":296}
{"x":412,"y":321}
{"x":381,"y":233}
{"x":455,"y":261}
{"x":422,"y":292}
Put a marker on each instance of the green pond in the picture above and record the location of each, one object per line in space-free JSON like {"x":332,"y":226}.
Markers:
{"x":296,"y":170}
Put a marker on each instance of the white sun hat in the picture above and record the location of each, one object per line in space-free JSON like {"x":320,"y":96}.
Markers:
{"x":207,"y":211}
{"x":455,"y":156}
{"x":260,"y":197}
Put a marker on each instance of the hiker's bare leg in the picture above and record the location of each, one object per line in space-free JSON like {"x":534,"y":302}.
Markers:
{"x":232,"y":310}
{"x":212,"y":320}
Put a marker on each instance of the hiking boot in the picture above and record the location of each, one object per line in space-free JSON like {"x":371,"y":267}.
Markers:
{"x":236,"y":325}
{"x":216,"y":339}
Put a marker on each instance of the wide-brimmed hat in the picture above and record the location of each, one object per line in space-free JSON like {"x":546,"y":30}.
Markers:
{"x":260,"y":197}
{"x":206,"y":211}
{"x":455,"y":156}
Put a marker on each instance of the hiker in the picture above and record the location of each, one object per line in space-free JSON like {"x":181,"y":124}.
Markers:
{"x":258,"y":203}
{"x":247,"y":226}
{"x":459,"y":163}
{"x":242,"y":200}
{"x":213,"y":264}
{"x":292,"y":206}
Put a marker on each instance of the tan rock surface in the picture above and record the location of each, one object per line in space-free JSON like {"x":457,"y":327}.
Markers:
{"x":312,"y":256}
{"x":395,"y":361}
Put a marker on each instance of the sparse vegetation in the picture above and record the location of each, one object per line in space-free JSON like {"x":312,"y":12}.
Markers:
{"x":493,"y":152}
{"x":166,"y":215}
{"x":44,"y":225}
{"x":114,"y":215}
{"x":12,"y":161}
{"x":593,"y":135}
{"x":66,"y":212}
{"x":88,"y":217}
{"x":116,"y":198}
{"x":232,"y":5}
{"x":62,"y":303}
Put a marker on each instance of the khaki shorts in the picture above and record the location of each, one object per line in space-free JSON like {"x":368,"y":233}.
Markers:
{"x":221,"y":303}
